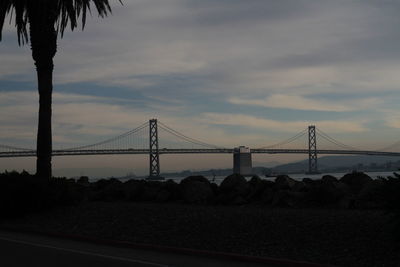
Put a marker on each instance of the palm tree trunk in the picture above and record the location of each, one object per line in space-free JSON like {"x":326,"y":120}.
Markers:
{"x":44,"y":134}
{"x":43,"y":38}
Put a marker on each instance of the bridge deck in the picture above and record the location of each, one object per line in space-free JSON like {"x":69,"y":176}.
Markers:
{"x":32,"y":153}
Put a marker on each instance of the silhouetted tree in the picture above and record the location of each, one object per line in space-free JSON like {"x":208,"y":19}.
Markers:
{"x":46,"y":19}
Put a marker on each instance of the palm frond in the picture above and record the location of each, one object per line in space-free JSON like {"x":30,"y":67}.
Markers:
{"x":18,"y":12}
{"x":67,"y":12}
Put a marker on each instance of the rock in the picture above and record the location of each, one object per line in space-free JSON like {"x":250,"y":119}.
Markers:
{"x":233,"y":181}
{"x":196,"y":190}
{"x":285,"y":198}
{"x":308,"y":184}
{"x":133,"y":189}
{"x":346,"y":202}
{"x":102,"y":183}
{"x":308,"y":181}
{"x":197,"y":193}
{"x":198,"y":178}
{"x":239,"y":200}
{"x":151,"y":191}
{"x":162,"y":195}
{"x":284,"y":182}
{"x":267,"y":195}
{"x":141,"y":190}
{"x":174,"y":190}
{"x":83,"y":180}
{"x":72,"y":181}
{"x":371,"y":195}
{"x":257,"y":187}
{"x":255,"y":180}
{"x":329,"y":178}
{"x":326,"y":192}
{"x":108,"y":190}
{"x":356,"y":180}
{"x":215,"y":188}
{"x":231,"y":187}
{"x":299,"y":187}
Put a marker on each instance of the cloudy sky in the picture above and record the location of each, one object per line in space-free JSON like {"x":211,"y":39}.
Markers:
{"x":228,"y":72}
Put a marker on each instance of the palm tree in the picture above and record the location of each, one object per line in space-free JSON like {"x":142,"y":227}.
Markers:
{"x":47,"y":19}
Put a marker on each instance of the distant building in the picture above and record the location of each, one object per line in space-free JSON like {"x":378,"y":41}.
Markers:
{"x":242,"y":163}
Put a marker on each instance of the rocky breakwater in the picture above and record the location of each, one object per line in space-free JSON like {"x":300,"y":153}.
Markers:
{"x":353,"y":190}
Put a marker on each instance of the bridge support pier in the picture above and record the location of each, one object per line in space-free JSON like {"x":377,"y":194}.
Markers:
{"x":154,"y":156}
{"x":312,"y":151}
{"x":242,"y":163}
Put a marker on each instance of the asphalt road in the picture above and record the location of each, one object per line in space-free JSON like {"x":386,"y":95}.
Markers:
{"x":17,"y":249}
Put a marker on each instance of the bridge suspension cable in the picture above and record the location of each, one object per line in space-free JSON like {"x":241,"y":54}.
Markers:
{"x":334,"y":141}
{"x":390,"y":146}
{"x":287,"y":141}
{"x":113,"y":139}
{"x":185,"y":137}
{"x":13,"y":148}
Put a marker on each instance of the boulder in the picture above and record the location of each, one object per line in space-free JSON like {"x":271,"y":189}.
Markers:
{"x":371,"y":195}
{"x":299,"y":187}
{"x":308,"y":181}
{"x":152,"y":191}
{"x":196,"y":190}
{"x":255,"y":181}
{"x":285,"y":198}
{"x":356,"y":180}
{"x":308,"y":184}
{"x":257,"y":187}
{"x":141,"y":190}
{"x":198,"y":178}
{"x":267,"y":195}
{"x":231,"y":188}
{"x":174,"y":190}
{"x":162,"y":195}
{"x":133,"y":189}
{"x":83,"y":180}
{"x":326,"y":192}
{"x":108,"y":190}
{"x":239,"y":200}
{"x":329,"y":178}
{"x":236,"y":184}
{"x":215,"y":188}
{"x":284,"y":182}
{"x":347,"y":202}
{"x":103,"y":183}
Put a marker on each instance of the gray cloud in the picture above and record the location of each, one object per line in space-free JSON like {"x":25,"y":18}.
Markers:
{"x":223,"y":38}
{"x":237,"y":12}
{"x":193,"y":50}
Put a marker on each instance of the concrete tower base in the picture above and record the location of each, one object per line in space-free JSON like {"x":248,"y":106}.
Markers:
{"x":242,"y":163}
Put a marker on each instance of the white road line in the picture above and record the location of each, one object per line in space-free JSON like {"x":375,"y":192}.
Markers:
{"x":84,"y":252}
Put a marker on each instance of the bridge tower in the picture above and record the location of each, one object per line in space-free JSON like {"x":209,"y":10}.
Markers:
{"x":312,"y":150}
{"x":154,"y":168}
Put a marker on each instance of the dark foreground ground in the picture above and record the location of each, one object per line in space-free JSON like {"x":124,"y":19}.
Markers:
{"x":341,"y":237}
{"x":22,"y":249}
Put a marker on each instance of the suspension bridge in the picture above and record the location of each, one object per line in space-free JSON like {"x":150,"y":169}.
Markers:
{"x":145,"y":140}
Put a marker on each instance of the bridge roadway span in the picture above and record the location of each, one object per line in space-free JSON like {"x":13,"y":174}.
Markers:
{"x":32,"y":153}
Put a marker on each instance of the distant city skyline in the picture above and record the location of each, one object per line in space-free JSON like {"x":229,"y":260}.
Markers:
{"x":227,"y":72}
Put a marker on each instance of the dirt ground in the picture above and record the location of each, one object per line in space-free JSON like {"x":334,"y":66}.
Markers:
{"x":330,"y":236}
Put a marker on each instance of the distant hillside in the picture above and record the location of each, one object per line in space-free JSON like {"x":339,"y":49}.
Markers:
{"x":325,"y":164}
{"x":339,"y":163}
{"x":266,"y":164}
